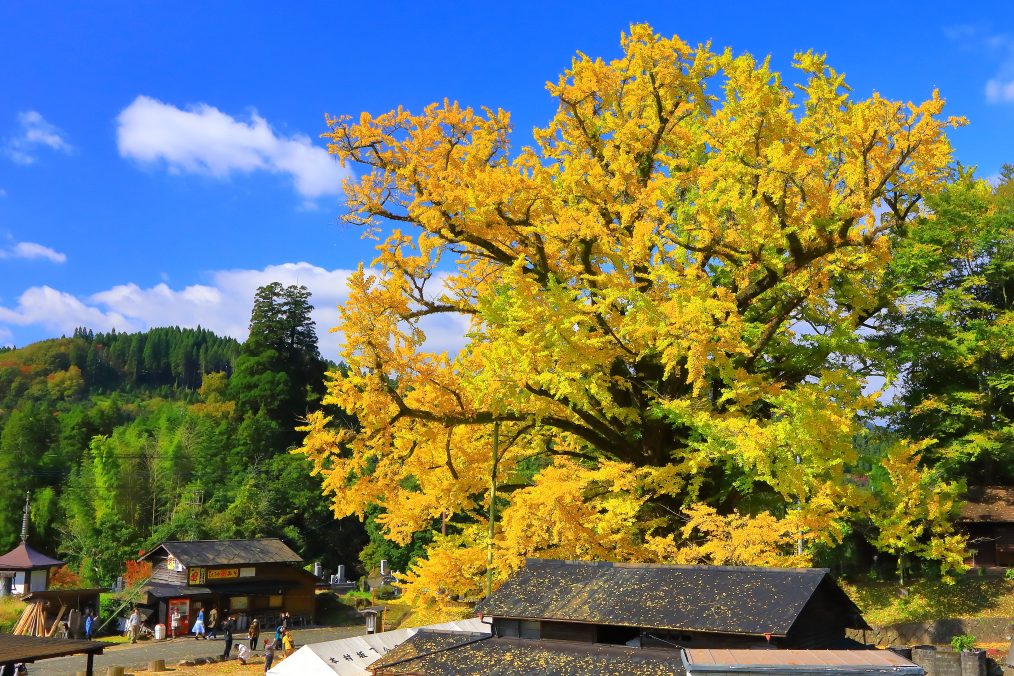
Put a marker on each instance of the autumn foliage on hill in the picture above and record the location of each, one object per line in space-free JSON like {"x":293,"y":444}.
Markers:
{"x":662,"y":298}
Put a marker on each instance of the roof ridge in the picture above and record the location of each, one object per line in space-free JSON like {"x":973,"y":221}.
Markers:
{"x":183,"y":542}
{"x":675,"y":566}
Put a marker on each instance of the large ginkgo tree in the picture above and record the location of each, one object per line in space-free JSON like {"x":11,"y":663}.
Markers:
{"x":661,"y":296}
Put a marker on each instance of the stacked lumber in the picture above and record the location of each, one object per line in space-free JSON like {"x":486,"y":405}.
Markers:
{"x":32,"y":621}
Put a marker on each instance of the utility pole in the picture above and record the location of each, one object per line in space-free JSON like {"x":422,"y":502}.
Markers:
{"x":492,"y":508}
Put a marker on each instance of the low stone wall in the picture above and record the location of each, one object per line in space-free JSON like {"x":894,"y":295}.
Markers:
{"x":939,"y":632}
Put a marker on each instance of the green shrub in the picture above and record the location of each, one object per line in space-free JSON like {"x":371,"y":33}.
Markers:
{"x":1008,"y":574}
{"x":963,"y":642}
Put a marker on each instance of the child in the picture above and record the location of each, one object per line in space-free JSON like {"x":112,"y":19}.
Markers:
{"x":244,"y":653}
{"x":269,"y":654}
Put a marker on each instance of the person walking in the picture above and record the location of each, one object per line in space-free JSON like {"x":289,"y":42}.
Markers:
{"x":134,"y":625}
{"x":89,"y":626}
{"x":269,"y":654}
{"x":199,"y":625}
{"x":253,"y":633}
{"x":227,"y":628}
{"x":174,"y":623}
{"x":279,"y":631}
{"x":213,"y":622}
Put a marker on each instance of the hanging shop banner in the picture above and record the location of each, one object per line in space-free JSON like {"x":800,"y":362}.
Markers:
{"x":197,"y":576}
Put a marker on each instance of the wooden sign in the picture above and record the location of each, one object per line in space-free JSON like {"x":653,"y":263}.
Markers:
{"x":196,"y":576}
{"x":223,"y":573}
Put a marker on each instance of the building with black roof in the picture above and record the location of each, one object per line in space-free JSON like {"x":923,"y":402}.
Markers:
{"x":243,"y":578}
{"x":673,"y":606}
{"x":564,"y":617}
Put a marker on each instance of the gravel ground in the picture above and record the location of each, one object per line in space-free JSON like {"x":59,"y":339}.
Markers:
{"x":137,"y":656}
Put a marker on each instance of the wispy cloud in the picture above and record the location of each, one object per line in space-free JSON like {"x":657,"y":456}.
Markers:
{"x":32,"y":250}
{"x":223,"y":306}
{"x":203,"y":140}
{"x":34,"y":133}
{"x":998,"y":90}
{"x":997,"y":50}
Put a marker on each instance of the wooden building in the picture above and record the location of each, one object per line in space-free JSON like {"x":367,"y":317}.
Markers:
{"x":243,"y":578}
{"x":987,"y":517}
{"x":24,"y":570}
{"x":667,"y":606}
{"x":591,"y":618}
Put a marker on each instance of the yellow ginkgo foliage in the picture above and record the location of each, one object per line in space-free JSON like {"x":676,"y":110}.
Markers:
{"x":630,"y":285}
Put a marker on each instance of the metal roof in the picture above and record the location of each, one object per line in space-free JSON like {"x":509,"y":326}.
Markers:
{"x":170,"y":591}
{"x":24,"y":557}
{"x":351,"y":656}
{"x":438,"y":653}
{"x":15,"y":649}
{"x":228,"y":552}
{"x":698,"y":660}
{"x":718,"y":599}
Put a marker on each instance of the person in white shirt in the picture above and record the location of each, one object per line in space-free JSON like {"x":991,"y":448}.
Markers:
{"x":134,"y":625}
{"x":174,"y":623}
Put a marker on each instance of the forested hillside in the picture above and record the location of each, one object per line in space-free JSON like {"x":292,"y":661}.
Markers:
{"x":127,"y":439}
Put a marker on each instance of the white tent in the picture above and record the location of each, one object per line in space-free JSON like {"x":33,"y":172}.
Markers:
{"x":350,"y":656}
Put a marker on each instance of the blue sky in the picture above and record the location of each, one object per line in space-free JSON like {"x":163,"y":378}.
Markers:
{"x":158,"y":161}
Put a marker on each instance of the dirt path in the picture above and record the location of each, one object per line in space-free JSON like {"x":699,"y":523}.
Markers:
{"x":137,"y":656}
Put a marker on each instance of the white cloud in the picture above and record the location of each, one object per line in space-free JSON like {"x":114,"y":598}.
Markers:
{"x":34,"y":133}
{"x":999,"y":92}
{"x":999,"y":48}
{"x":31,"y":250}
{"x":34,"y":250}
{"x":61,"y":312}
{"x":222,"y":306}
{"x":204,"y":140}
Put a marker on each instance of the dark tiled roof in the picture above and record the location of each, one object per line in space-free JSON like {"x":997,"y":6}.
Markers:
{"x":24,"y":557}
{"x":437,"y":653}
{"x":31,"y":648}
{"x":988,"y":504}
{"x":228,"y":552}
{"x":720,"y":599}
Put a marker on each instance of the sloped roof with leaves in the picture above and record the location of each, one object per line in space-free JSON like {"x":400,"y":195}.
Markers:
{"x":720,"y":599}
{"x":437,"y":653}
{"x":988,"y":504}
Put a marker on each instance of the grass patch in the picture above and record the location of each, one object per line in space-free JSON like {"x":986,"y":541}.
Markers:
{"x":337,"y":611}
{"x":883,"y":603}
{"x":10,"y":612}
